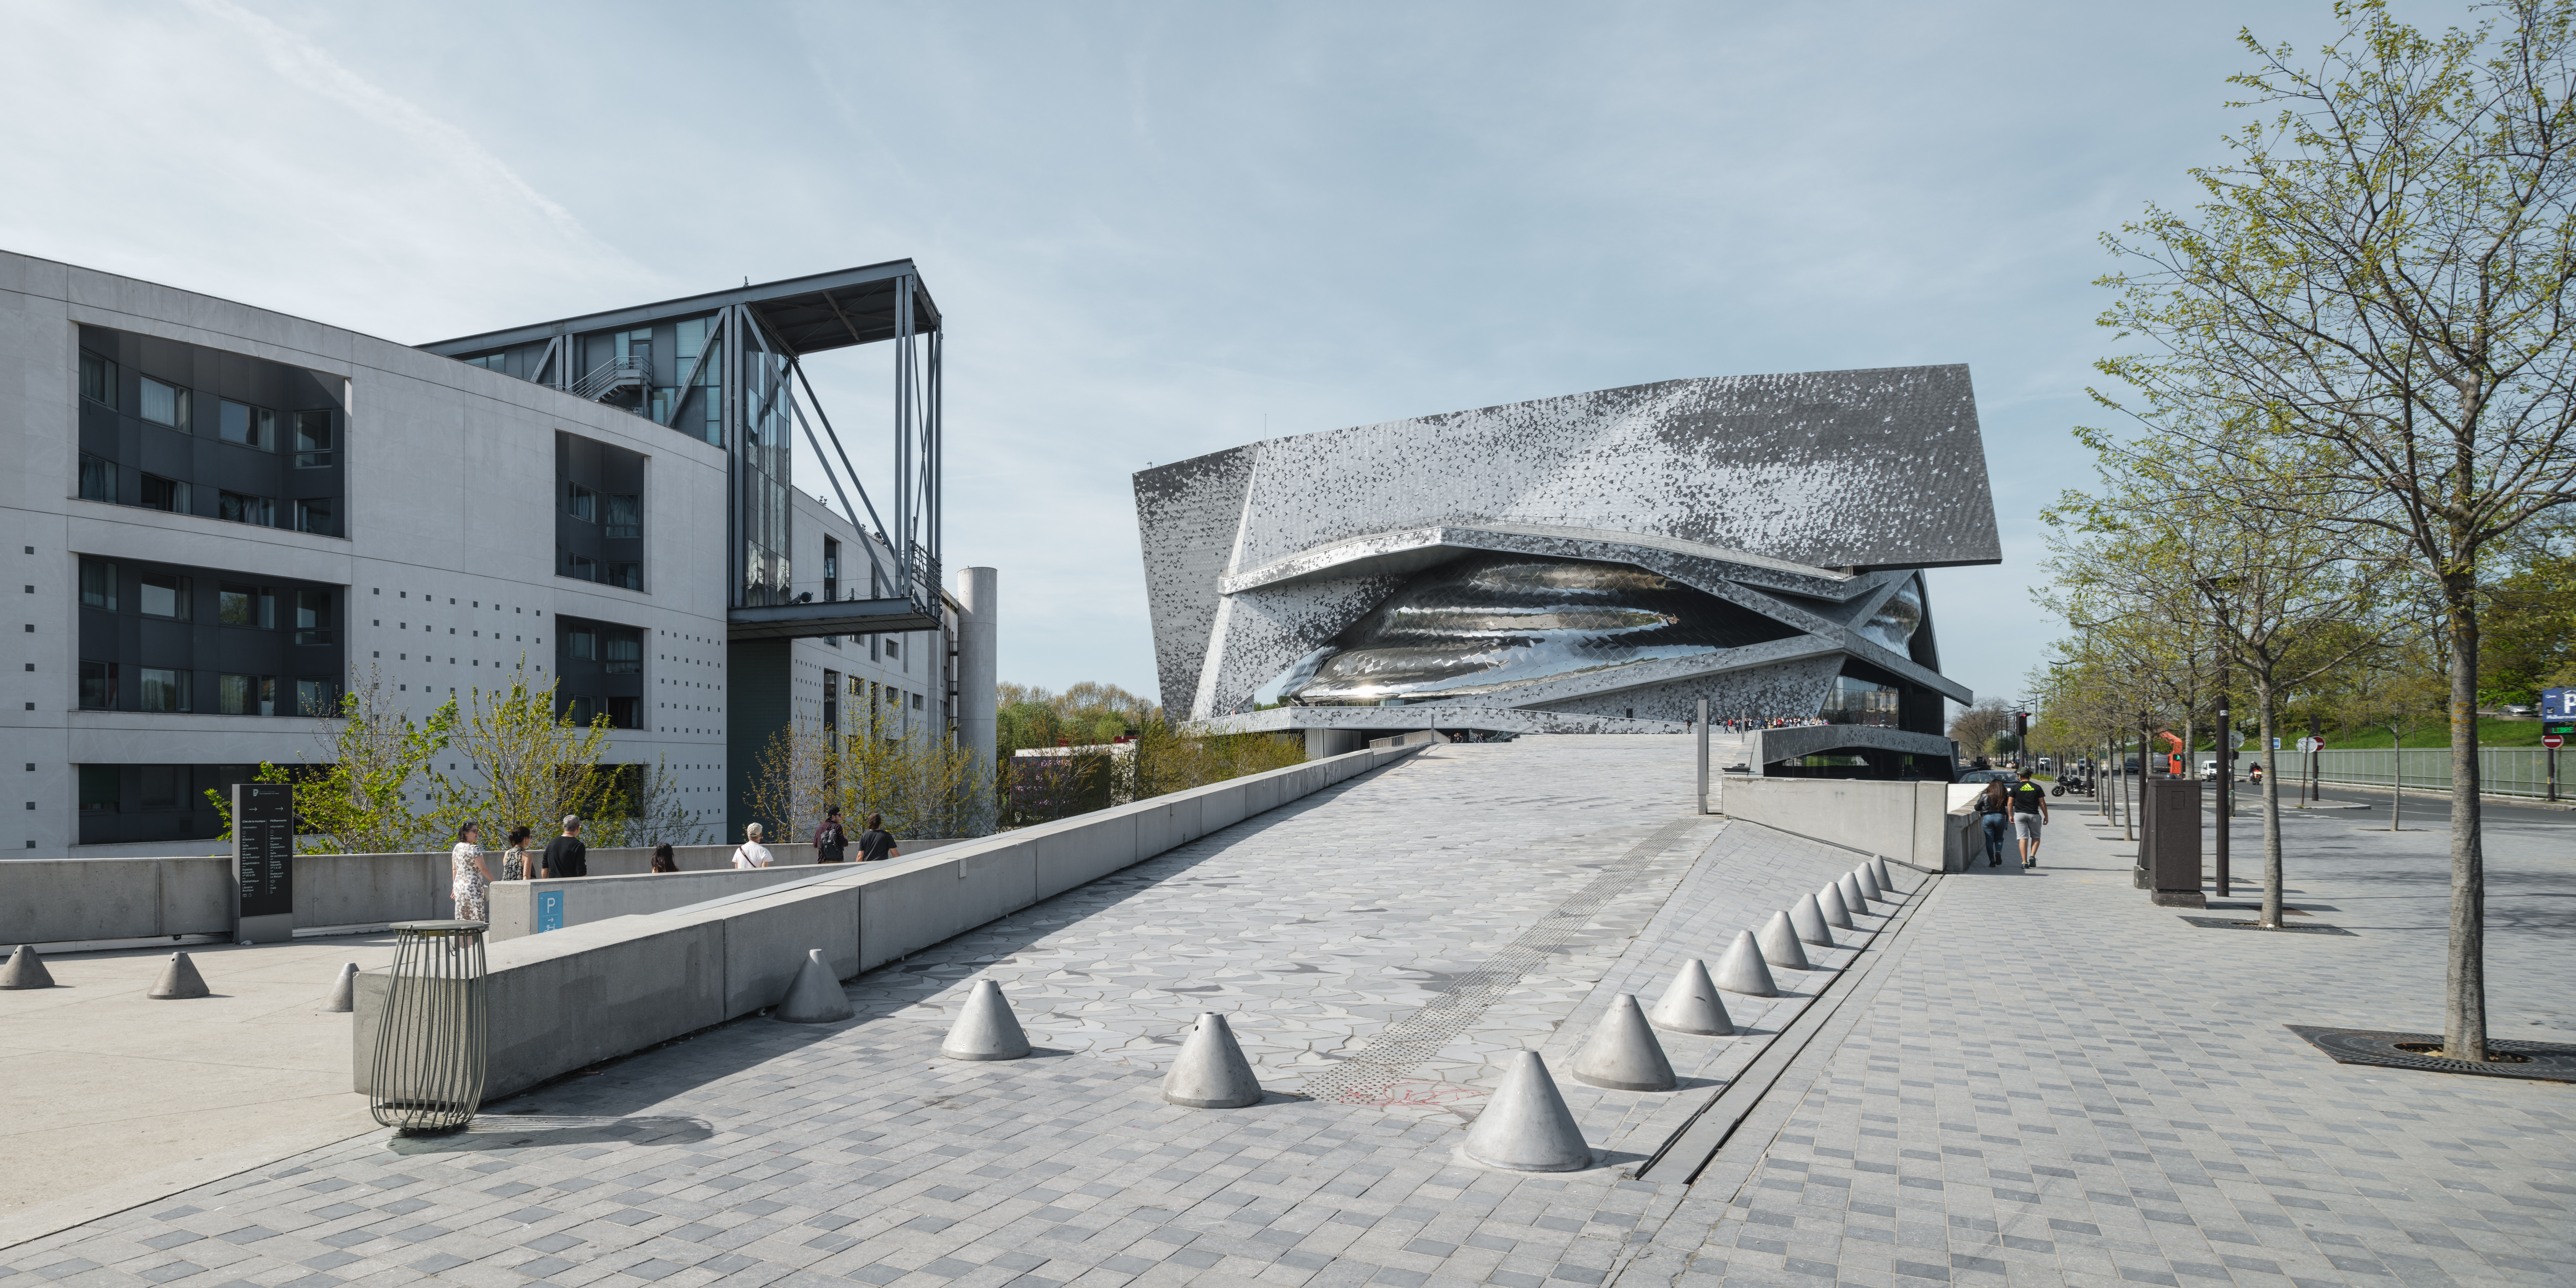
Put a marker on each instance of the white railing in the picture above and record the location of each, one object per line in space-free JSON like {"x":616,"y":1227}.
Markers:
{"x":611,"y":376}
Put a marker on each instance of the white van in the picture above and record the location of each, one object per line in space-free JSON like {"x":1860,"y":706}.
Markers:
{"x":2209,"y":769}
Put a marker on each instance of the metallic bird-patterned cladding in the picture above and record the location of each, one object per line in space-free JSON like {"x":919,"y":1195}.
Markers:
{"x":1626,"y":551}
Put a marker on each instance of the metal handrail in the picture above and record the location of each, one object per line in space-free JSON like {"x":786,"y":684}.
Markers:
{"x":609,"y":376}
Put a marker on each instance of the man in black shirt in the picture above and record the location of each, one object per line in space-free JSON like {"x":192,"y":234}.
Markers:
{"x":2029,"y":813}
{"x":565,"y":855}
{"x":875,"y":843}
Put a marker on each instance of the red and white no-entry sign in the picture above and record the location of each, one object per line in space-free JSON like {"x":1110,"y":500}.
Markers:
{"x":2551,"y":741}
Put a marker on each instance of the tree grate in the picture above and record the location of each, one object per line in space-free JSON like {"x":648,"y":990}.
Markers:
{"x":2532,"y":1061}
{"x":1365,"y":1078}
{"x":2223,"y":923}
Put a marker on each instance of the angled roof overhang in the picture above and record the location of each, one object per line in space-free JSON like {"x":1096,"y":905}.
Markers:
{"x":805,"y":314}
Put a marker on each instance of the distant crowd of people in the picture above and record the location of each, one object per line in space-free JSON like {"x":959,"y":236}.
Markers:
{"x":1747,"y":724}
{"x":568,"y":855}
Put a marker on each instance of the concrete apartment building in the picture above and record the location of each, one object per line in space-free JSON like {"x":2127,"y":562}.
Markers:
{"x":222,"y":516}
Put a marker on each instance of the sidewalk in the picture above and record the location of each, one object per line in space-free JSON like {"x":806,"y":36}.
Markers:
{"x":2070,"y":1086}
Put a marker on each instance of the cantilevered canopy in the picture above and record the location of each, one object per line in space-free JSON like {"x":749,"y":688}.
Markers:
{"x":804,"y":314}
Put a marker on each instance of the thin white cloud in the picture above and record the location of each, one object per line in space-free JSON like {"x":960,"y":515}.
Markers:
{"x":203,"y":145}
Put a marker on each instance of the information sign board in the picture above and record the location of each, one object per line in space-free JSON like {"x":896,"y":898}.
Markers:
{"x":263,"y":861}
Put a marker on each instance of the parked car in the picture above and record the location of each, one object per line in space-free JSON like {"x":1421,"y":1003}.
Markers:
{"x":2209,"y":769}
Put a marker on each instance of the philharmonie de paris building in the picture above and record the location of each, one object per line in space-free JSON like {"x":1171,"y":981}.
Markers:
{"x":1597,"y":563}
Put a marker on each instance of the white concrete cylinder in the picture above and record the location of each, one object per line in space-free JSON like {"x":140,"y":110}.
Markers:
{"x":978,"y":661}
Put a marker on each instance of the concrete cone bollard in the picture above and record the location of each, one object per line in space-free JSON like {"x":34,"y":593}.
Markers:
{"x":1779,"y":942}
{"x":985,"y":1028}
{"x":815,"y":997}
{"x":1878,"y":868}
{"x":25,"y":970}
{"x":1691,"y":1005}
{"x":1741,"y":969}
{"x":1526,"y":1126}
{"x":180,"y":979}
{"x":1211,"y":1073}
{"x":344,"y":990}
{"x":1622,"y":1053}
{"x":1809,"y":920}
{"x":1869,"y":885}
{"x":1855,"y":900}
{"x":1829,"y":901}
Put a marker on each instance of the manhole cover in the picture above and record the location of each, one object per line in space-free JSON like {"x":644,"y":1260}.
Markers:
{"x":2223,"y":923}
{"x":2538,"y":1061}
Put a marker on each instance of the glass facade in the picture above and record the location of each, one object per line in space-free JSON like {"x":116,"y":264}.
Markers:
{"x":762,"y":479}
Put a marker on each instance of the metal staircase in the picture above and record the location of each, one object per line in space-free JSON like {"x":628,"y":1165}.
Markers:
{"x":613,"y":377}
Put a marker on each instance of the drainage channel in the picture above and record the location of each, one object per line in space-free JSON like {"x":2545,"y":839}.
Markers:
{"x":1686,"y":1153}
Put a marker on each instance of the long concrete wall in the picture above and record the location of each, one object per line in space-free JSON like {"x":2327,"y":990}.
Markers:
{"x":1907,"y":821}
{"x":49,"y":902}
{"x":587,"y":899}
{"x":571,"y":998}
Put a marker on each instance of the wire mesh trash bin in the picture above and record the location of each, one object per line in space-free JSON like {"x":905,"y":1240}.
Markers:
{"x":433,"y":1039}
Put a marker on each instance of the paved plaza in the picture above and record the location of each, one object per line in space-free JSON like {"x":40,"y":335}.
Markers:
{"x":2033,"y":1078}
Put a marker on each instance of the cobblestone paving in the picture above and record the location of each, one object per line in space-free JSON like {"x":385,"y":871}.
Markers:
{"x":2063,"y":1085}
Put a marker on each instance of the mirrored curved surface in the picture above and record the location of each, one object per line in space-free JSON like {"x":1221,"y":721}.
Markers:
{"x":1896,"y":620}
{"x":1484,"y":625}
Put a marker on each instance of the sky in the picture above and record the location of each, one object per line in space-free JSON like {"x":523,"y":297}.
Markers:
{"x":1160,"y":230}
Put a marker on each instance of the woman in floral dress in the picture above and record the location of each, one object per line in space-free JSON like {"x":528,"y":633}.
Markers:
{"x":470,"y":879}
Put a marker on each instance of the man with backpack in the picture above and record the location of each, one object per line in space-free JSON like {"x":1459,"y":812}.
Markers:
{"x":2029,"y":814}
{"x":829,"y":841}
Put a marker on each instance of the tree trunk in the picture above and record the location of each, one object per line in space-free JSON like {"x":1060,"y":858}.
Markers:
{"x":2464,"y":1012}
{"x":2263,"y":703}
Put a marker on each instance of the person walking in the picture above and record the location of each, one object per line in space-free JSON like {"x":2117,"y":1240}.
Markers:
{"x":515,"y":861}
{"x":565,"y":855}
{"x":829,"y":840}
{"x":876,"y":843}
{"x":662,"y":860}
{"x":751,"y":853}
{"x":1994,"y":807}
{"x":468,"y":880}
{"x":2029,"y":814}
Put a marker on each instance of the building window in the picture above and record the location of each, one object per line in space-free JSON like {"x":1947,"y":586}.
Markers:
{"x":313,"y":617}
{"x":622,"y":651}
{"x":163,"y":689}
{"x":622,"y":712}
{"x":312,"y":440}
{"x":580,"y":710}
{"x":97,"y":479}
{"x":234,"y":507}
{"x":916,"y":702}
{"x":581,"y":503}
{"x":894,"y":648}
{"x":101,"y":789}
{"x":165,"y":788}
{"x":98,"y":584}
{"x":831,"y":569}
{"x":251,"y":606}
{"x":314,"y":515}
{"x":246,"y":425}
{"x":581,"y":566}
{"x":246,"y":695}
{"x":98,"y":378}
{"x":165,"y":404}
{"x":585,"y":644}
{"x":831,"y":699}
{"x":98,"y":685}
{"x":490,"y":361}
{"x":167,"y":595}
{"x":631,"y":576}
{"x":625,"y":515}
{"x":317,"y":697}
{"x":168,"y":495}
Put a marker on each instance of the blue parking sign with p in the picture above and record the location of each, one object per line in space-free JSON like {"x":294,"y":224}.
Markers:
{"x":2558,"y":704}
{"x":549,"y":910}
